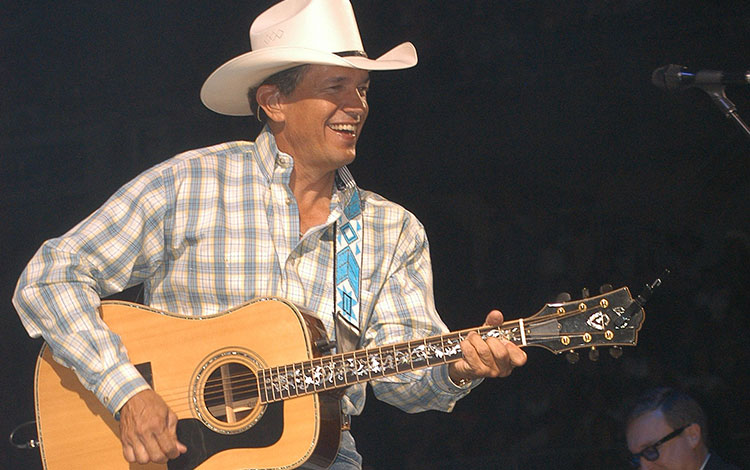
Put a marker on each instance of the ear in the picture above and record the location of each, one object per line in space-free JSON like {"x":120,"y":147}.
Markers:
{"x":693,"y":434}
{"x":268,"y":97}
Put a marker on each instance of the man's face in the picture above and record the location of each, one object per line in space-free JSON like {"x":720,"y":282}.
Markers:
{"x":323,"y":117}
{"x":676,"y":454}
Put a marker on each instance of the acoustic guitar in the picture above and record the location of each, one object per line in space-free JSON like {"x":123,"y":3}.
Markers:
{"x":249,"y":384}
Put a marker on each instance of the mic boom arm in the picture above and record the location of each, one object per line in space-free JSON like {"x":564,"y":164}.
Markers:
{"x":677,"y":77}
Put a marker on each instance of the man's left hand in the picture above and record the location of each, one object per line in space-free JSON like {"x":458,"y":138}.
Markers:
{"x":492,"y":357}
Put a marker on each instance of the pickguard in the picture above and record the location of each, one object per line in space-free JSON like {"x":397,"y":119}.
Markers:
{"x":203,"y":443}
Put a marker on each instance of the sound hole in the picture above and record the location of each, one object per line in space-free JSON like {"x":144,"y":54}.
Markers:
{"x":231,"y":392}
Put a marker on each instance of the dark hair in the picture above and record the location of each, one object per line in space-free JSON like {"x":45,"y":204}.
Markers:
{"x":286,"y":80}
{"x":678,"y":408}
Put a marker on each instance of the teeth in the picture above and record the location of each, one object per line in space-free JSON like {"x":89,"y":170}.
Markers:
{"x":352,"y":128}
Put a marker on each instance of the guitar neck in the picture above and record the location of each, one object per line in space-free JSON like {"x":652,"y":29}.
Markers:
{"x":345,"y":369}
{"x":611,"y":319}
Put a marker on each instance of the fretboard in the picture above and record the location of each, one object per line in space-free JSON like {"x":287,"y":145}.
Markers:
{"x":345,"y":369}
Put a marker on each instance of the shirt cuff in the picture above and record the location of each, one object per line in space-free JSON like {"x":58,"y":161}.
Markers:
{"x":444,"y":382}
{"x":118,"y":385}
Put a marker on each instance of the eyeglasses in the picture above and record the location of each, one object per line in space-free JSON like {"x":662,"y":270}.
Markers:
{"x":651,"y":453}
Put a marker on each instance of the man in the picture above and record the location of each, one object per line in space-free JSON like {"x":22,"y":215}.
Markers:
{"x":667,"y":430}
{"x":280,"y":217}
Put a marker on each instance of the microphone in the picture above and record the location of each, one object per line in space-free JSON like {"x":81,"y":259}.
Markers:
{"x":676,"y":78}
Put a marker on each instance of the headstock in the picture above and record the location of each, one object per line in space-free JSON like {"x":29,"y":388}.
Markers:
{"x":610,"y":319}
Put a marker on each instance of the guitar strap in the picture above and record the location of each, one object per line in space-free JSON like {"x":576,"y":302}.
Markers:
{"x":347,"y":249}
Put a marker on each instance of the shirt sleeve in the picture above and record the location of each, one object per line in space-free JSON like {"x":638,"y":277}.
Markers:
{"x":405,"y":311}
{"x":59,"y":292}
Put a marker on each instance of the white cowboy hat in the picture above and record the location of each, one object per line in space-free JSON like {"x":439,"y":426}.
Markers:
{"x":291,"y":33}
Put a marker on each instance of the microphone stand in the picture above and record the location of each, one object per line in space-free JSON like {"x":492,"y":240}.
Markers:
{"x":719,"y":96}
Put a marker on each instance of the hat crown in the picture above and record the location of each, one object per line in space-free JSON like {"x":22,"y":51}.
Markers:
{"x":290,"y":33}
{"x":324,"y":25}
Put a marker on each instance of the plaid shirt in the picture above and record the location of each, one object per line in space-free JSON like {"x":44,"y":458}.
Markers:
{"x":211,"y":229}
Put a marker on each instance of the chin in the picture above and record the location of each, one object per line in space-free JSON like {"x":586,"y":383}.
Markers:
{"x":346,"y":158}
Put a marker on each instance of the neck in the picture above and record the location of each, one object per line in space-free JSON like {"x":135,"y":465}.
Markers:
{"x":311,"y":182}
{"x":313,"y":194}
{"x":702,"y":456}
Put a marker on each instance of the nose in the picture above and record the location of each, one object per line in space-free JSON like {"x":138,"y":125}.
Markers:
{"x":356,"y":103}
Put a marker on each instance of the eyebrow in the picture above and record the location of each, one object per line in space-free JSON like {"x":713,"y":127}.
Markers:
{"x":341,"y":79}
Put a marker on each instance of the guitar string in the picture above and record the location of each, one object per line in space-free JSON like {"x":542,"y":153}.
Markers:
{"x":339,"y":360}
{"x":253,"y":385}
{"x":180,"y":402}
{"x":238,"y":380}
{"x":249,"y":380}
{"x":407,"y":347}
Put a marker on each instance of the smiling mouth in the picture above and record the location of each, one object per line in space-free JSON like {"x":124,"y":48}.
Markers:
{"x":349,"y":129}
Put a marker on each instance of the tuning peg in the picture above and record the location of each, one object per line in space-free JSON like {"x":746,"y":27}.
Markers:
{"x":584,"y":292}
{"x":593,"y":354}
{"x":572,"y":357}
{"x":615,"y":351}
{"x":563,"y":297}
{"x":604,"y":288}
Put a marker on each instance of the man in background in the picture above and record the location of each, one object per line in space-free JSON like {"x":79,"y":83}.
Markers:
{"x":667,"y":430}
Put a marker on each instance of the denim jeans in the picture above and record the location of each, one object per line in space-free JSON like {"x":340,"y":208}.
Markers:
{"x":348,"y":458}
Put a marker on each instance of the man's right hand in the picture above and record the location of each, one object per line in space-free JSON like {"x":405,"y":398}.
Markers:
{"x":148,"y":430}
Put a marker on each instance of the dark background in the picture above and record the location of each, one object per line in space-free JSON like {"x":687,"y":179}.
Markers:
{"x":530,"y":142}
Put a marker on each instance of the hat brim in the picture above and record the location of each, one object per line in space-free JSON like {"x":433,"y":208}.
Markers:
{"x":225,"y":90}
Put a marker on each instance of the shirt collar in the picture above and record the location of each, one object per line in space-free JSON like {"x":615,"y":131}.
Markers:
{"x":267,"y":152}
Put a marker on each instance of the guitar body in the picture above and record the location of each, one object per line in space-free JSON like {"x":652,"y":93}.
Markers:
{"x":188,"y":360}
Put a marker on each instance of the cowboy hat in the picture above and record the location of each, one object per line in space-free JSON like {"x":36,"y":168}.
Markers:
{"x":291,"y":33}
